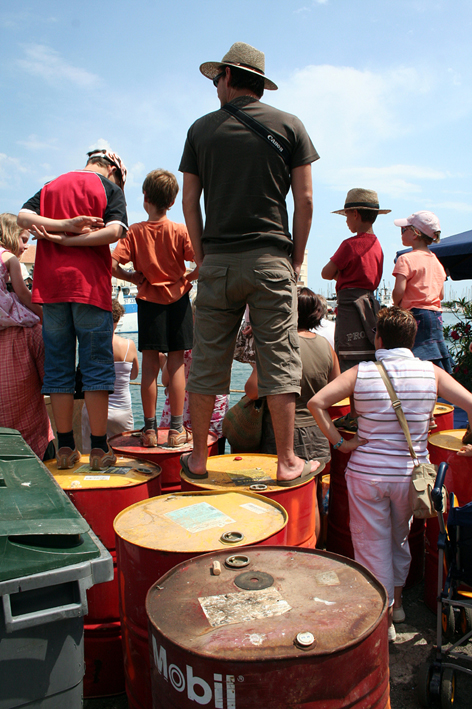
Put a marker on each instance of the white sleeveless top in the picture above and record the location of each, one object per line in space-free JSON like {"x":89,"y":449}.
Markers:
{"x":121,"y":397}
{"x":385,"y":456}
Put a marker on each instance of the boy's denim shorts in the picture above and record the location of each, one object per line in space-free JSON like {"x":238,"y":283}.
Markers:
{"x":63,"y":325}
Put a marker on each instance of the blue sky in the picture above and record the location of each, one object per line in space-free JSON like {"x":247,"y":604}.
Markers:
{"x":384,"y":88}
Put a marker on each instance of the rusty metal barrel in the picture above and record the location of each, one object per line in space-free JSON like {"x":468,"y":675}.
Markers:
{"x":167,"y":458}
{"x":155,"y":535}
{"x":443,"y":447}
{"x":339,"y":534}
{"x":444,"y":417}
{"x":99,"y":497}
{"x":272,"y":628}
{"x":257,"y":472}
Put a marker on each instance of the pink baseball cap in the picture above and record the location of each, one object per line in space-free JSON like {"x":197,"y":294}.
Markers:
{"x":426,"y":222}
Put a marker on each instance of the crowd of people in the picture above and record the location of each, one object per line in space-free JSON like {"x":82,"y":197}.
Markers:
{"x":244,"y":159}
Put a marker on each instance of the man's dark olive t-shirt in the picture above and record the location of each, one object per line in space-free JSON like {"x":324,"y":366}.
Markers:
{"x":245,"y":181}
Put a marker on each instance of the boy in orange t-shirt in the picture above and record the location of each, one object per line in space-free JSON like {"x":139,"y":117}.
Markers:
{"x":158,"y":249}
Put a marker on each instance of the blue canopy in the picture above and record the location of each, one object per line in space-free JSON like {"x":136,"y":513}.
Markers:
{"x":455,"y":254}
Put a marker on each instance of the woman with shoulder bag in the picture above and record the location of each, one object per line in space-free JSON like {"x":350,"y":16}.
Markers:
{"x":379,"y":471}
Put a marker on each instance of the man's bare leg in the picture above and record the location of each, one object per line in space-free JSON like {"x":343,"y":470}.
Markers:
{"x":282,"y":413}
{"x":201,"y":408}
{"x":97,"y":409}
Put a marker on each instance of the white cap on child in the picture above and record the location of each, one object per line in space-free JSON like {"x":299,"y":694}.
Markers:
{"x":426,"y":222}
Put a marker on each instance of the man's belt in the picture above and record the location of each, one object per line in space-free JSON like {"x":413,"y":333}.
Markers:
{"x":275,"y":141}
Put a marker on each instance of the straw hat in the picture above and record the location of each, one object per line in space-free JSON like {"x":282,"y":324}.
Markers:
{"x":243,"y":56}
{"x":359,"y":198}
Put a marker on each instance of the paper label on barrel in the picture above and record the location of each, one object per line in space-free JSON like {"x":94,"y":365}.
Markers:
{"x":198,"y":517}
{"x":254,"y":508}
{"x":110,"y":471}
{"x":244,"y":606}
{"x":96,"y":477}
{"x":327,"y":578}
{"x":249,"y":476}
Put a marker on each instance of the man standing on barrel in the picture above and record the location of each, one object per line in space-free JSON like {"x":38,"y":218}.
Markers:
{"x":245,"y":157}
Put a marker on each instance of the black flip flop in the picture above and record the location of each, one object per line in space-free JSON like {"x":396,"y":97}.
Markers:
{"x":188,"y":472}
{"x":305,"y":475}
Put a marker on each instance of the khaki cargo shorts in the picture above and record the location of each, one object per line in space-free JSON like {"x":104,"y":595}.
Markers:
{"x":264,"y":279}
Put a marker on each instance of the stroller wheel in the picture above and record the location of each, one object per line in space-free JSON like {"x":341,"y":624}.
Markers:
{"x":423,"y":687}
{"x":448,"y":622}
{"x":448,"y":688}
{"x":465,"y":620}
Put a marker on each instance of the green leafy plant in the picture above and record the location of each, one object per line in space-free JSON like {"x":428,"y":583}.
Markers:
{"x":459,"y":338}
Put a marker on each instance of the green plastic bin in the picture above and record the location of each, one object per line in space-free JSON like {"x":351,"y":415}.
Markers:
{"x":49,"y":558}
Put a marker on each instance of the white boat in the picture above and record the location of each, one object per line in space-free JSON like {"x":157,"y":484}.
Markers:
{"x":384,"y":296}
{"x":126,"y":295}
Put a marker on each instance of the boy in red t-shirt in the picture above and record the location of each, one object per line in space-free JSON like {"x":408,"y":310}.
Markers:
{"x":357,"y":269}
{"x":85,"y":209}
{"x":158,"y":249}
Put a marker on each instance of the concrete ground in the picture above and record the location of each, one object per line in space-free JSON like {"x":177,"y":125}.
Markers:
{"x":416,"y":639}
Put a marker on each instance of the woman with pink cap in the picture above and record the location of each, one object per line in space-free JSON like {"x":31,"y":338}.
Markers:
{"x":419,"y":286}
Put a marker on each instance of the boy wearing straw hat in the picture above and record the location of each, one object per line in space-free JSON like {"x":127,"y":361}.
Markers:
{"x":357,"y":269}
{"x":244,"y":158}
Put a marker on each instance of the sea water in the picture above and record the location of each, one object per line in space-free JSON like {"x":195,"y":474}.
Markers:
{"x":239,"y":374}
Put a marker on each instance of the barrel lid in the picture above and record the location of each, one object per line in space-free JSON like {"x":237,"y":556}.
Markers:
{"x":198,"y":521}
{"x":256,"y":472}
{"x":450,"y":440}
{"x":442,"y":409}
{"x":127,"y":472}
{"x":129,"y":444}
{"x":285,"y":603}
{"x":343,"y":402}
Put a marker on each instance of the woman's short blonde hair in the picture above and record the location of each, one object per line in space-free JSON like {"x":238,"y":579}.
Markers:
{"x":10,"y":233}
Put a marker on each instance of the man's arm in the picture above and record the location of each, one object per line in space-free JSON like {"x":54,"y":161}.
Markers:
{"x":302,"y":191}
{"x":107,"y":235}
{"x":191,"y":194}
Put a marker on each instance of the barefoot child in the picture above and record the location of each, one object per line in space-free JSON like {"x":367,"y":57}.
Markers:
{"x":16,"y":309}
{"x":158,"y":249}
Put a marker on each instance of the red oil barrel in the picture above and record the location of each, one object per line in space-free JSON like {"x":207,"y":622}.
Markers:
{"x":444,"y":417}
{"x":291,"y":627}
{"x":339,"y":534}
{"x":155,"y":535}
{"x":443,"y":447}
{"x":99,"y":497}
{"x":257,"y":472}
{"x":340,"y":409}
{"x":167,"y":458}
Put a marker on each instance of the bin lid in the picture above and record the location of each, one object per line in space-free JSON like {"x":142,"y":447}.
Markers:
{"x":196,"y":521}
{"x":283,"y":603}
{"x":127,"y":472}
{"x":40,"y":529}
{"x":256,"y":472}
{"x":129,"y":444}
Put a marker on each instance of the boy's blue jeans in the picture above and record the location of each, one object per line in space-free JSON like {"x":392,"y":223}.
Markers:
{"x":63,"y":325}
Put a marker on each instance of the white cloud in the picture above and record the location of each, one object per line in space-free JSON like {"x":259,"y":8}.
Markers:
{"x":395,"y":181}
{"x":10,"y":170}
{"x":100,"y":144}
{"x":48,"y":64}
{"x":455,"y":206}
{"x":136,"y":174}
{"x":35,"y":143}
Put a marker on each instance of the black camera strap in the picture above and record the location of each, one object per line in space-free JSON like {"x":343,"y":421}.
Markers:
{"x":260,"y":129}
